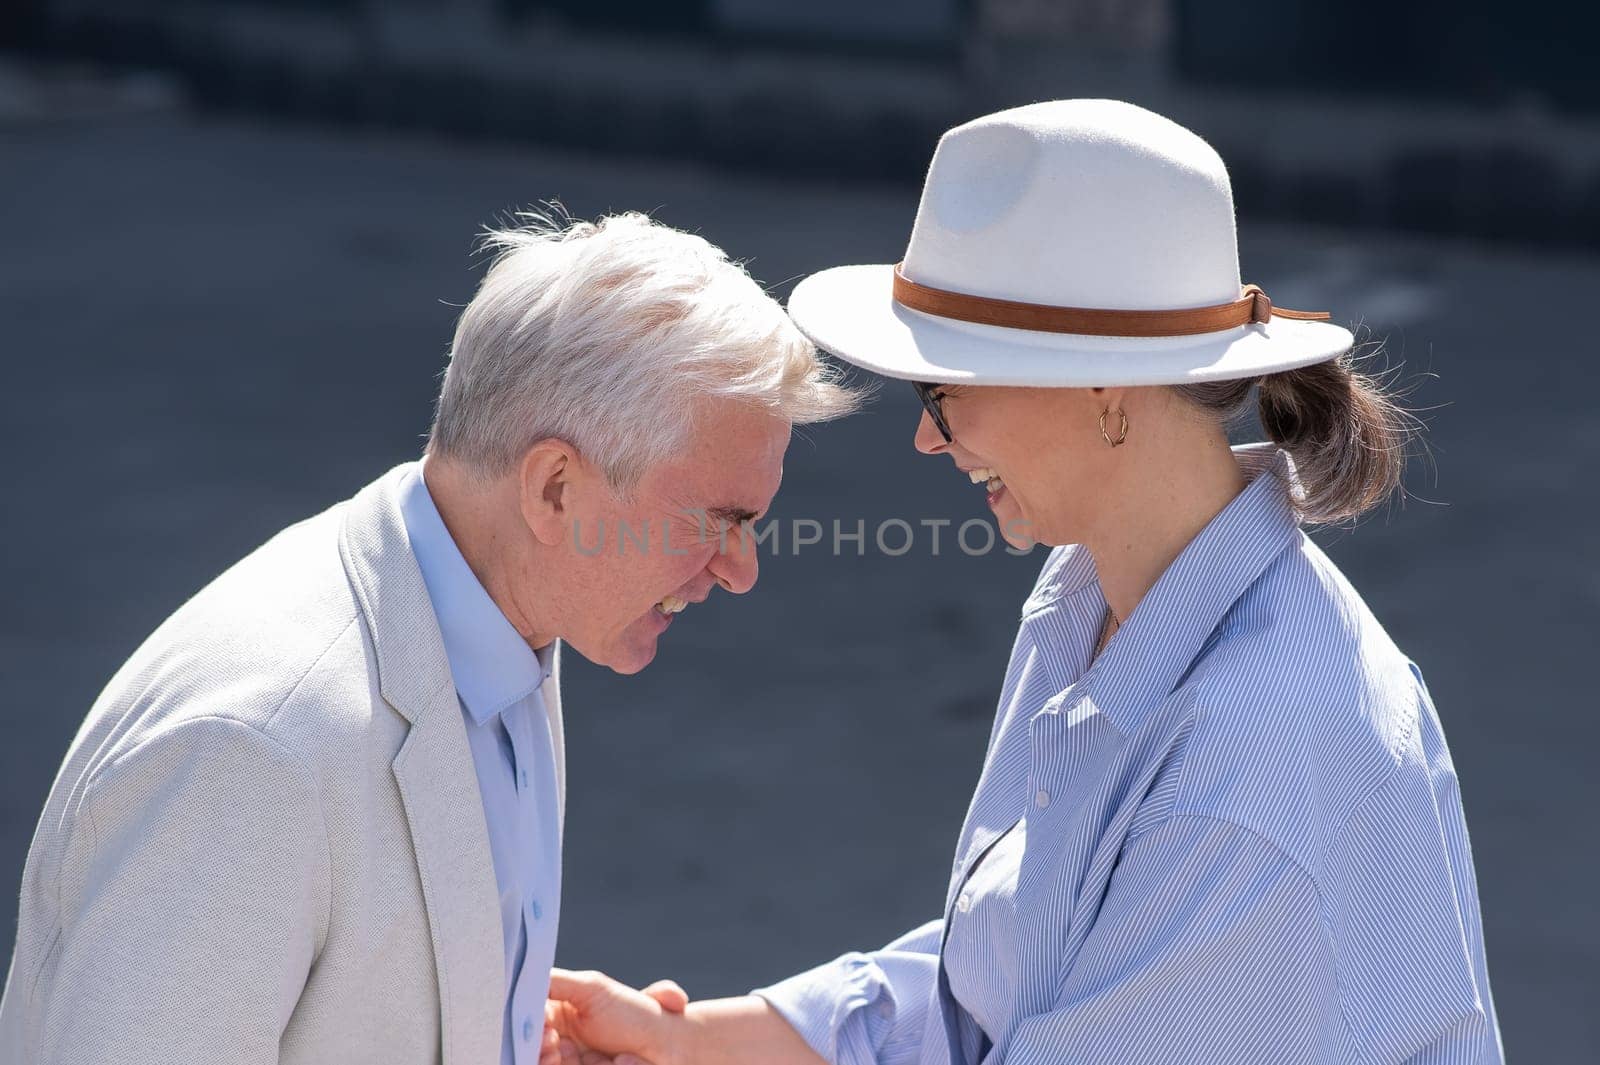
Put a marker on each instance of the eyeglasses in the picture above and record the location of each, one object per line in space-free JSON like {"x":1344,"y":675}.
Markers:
{"x":933,"y":400}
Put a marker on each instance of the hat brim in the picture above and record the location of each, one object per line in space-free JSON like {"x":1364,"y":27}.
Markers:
{"x":850,"y":312}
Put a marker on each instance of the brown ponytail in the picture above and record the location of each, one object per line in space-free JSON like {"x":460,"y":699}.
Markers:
{"x":1345,"y":431}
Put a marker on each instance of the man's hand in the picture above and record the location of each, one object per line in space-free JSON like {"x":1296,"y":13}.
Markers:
{"x":590,"y":1017}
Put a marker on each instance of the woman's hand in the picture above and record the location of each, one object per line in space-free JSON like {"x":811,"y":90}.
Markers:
{"x":590,"y":1017}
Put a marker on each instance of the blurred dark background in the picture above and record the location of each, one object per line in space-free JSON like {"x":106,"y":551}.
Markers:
{"x":234,"y":238}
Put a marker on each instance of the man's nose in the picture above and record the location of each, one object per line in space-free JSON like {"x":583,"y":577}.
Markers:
{"x":736,"y":568}
{"x":929,"y":440}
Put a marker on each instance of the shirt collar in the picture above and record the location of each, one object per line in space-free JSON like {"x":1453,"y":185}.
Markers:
{"x":1159,"y":642}
{"x":491,"y":664}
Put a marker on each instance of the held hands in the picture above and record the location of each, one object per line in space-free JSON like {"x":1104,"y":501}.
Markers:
{"x":591,"y":1019}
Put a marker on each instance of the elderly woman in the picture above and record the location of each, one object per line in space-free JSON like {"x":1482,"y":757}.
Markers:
{"x":1218,"y":820}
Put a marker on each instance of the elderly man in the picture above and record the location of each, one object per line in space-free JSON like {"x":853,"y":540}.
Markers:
{"x":317,"y":816}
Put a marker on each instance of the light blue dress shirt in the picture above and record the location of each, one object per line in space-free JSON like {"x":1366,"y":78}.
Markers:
{"x":497,"y":678}
{"x":983,"y":935}
{"x":1235,"y":836}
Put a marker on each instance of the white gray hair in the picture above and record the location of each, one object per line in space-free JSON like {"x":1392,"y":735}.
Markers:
{"x":607,"y":335}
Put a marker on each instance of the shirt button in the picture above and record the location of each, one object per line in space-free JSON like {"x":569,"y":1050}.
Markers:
{"x":964,"y":903}
{"x":538,"y":911}
{"x":1041,"y":799}
{"x":524,"y":778}
{"x":527,"y":1028}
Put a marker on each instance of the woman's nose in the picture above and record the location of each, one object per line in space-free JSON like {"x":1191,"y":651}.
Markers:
{"x":929,"y":440}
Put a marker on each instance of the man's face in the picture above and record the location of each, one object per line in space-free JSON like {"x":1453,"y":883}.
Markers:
{"x":678,"y":537}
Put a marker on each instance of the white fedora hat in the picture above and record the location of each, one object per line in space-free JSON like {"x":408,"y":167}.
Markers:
{"x":1075,"y":243}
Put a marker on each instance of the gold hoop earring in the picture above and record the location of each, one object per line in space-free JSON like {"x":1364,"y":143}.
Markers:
{"x":1122,"y":433}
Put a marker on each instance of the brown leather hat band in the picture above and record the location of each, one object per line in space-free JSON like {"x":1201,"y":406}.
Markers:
{"x":1253,"y":306}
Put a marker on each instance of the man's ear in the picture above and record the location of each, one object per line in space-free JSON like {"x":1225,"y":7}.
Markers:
{"x":546,"y":480}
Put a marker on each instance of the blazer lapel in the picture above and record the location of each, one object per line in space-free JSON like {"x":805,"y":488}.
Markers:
{"x":435,"y":774}
{"x":439,"y":787}
{"x":550,"y":692}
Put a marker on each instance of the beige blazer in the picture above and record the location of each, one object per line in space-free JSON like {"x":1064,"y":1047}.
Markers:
{"x":266,"y":843}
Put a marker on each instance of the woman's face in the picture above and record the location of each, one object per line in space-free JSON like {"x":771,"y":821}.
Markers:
{"x":1039,"y":449}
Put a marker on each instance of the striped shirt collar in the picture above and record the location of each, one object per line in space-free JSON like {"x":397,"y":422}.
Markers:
{"x":1155,"y":647}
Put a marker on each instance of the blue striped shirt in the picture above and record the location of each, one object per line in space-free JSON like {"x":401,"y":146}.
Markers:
{"x":1239,"y":837}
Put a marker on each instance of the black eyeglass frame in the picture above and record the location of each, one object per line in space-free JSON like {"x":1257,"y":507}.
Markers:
{"x":933,"y":401}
